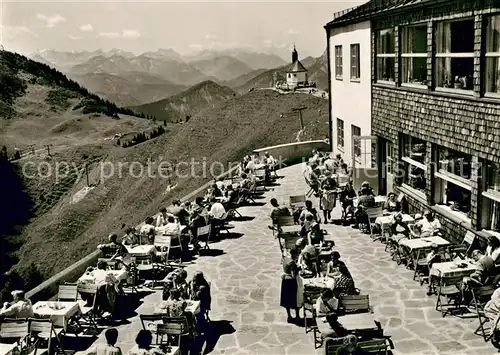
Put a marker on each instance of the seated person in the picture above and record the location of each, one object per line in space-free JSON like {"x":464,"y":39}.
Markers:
{"x":344,"y":283}
{"x":326,"y":304}
{"x":315,"y":235}
{"x":335,"y":264}
{"x":308,"y":260}
{"x":307,"y":226}
{"x":245,"y":182}
{"x":350,"y":346}
{"x":278,"y":211}
{"x":326,"y":310}
{"x":120,"y":249}
{"x":144,"y":340}
{"x":217,"y":211}
{"x":493,"y":248}
{"x":392,"y":204}
{"x":131,"y":237}
{"x":148,"y":229}
{"x":179,"y":212}
{"x":172,"y":227}
{"x":485,"y":267}
{"x":436,"y":255}
{"x":428,"y":226}
{"x":19,"y":308}
{"x":230,"y":197}
{"x":366,"y":186}
{"x":344,"y":169}
{"x":492,"y":310}
{"x":346,"y":198}
{"x":110,"y":347}
{"x":399,"y":230}
{"x":308,"y":210}
{"x":366,"y":197}
{"x":161,"y":220}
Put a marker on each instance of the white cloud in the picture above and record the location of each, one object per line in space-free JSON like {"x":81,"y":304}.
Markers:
{"x":13,"y":32}
{"x":75,"y":38}
{"x":108,"y":34}
{"x":124,"y":34}
{"x":130,"y":34}
{"x":51,"y":21}
{"x":292,"y":32}
{"x":211,"y":36}
{"x":86,"y":28}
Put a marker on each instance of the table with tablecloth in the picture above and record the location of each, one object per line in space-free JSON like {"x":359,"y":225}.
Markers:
{"x":452,"y":268}
{"x":379,"y":200}
{"x":192,"y":307}
{"x":142,"y":250}
{"x":416,"y":245}
{"x":98,"y":277}
{"x":319,"y":282}
{"x":59,"y":312}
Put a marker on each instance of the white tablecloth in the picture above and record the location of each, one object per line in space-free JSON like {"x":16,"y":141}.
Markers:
{"x":7,"y":349}
{"x":387,"y":220}
{"x":421,"y":243}
{"x":98,"y":277}
{"x":59,"y":312}
{"x":192,"y":307}
{"x":450,"y":269}
{"x":142,"y":250}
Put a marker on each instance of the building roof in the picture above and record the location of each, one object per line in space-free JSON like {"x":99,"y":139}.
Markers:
{"x":374,"y":8}
{"x":296,"y":67}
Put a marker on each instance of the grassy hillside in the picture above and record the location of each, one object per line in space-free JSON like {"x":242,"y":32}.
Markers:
{"x":187,"y":103}
{"x":75,"y":220}
{"x":17,"y":72}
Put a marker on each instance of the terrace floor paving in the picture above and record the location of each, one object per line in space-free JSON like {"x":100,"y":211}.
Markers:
{"x":246,"y":282}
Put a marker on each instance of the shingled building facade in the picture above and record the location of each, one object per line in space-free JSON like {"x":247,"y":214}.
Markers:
{"x":435,"y":68}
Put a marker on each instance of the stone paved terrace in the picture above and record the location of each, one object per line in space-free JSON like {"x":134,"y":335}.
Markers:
{"x":246,"y":289}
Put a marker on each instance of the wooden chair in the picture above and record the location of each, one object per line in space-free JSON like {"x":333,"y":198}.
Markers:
{"x":172,"y":328}
{"x":421,"y":262}
{"x":42,"y":331}
{"x":287,"y":242}
{"x":458,"y":250}
{"x":480,"y":296}
{"x":89,"y":313}
{"x":15,"y":331}
{"x":281,"y":221}
{"x":224,"y":225}
{"x":163,"y":244}
{"x":372,"y":213}
{"x":468,"y":241}
{"x":354,"y":304}
{"x":449,"y":288}
{"x":297,"y":201}
{"x":144,"y":264}
{"x":310,"y":298}
{"x":150,"y":322}
{"x":204,"y":235}
{"x":67,"y":292}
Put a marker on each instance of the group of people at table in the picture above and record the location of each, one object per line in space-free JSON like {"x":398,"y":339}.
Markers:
{"x":320,"y":175}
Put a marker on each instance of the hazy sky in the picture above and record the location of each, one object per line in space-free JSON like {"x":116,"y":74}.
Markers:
{"x":187,"y":26}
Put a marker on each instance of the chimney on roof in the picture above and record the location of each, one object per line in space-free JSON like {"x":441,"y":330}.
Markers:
{"x":295,"y":55}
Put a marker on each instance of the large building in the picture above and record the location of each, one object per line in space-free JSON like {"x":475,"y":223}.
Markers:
{"x":435,"y":103}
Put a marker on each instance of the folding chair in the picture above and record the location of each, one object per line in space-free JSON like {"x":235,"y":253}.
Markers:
{"x":204,"y":235}
{"x":480,"y":296}
{"x":224,"y":225}
{"x":311,"y":295}
{"x":311,"y":189}
{"x":163,"y":244}
{"x":43,"y":331}
{"x":67,"y":292}
{"x":420,"y":261}
{"x":145,"y":264}
{"x":297,"y":201}
{"x":469,"y":239}
{"x":372,"y":213}
{"x":150,"y":322}
{"x":449,"y":287}
{"x":15,"y":331}
{"x":457,"y":251}
{"x":89,"y":313}
{"x":173,"y":328}
{"x":354,"y":304}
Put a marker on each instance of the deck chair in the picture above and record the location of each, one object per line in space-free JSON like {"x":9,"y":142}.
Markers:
{"x":373,"y":346}
{"x":448,"y":288}
{"x":480,"y":296}
{"x":224,"y":225}
{"x":42,"y":332}
{"x":172,"y":328}
{"x":150,"y":322}
{"x":468,"y":241}
{"x":372,"y":213}
{"x":297,"y":201}
{"x":354,"y":304}
{"x":281,"y":221}
{"x":15,"y":331}
{"x":311,"y":189}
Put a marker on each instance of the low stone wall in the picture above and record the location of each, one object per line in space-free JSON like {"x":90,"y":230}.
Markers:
{"x":293,"y":153}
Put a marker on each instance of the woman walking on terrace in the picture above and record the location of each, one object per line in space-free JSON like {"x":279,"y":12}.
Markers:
{"x":291,"y":291}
